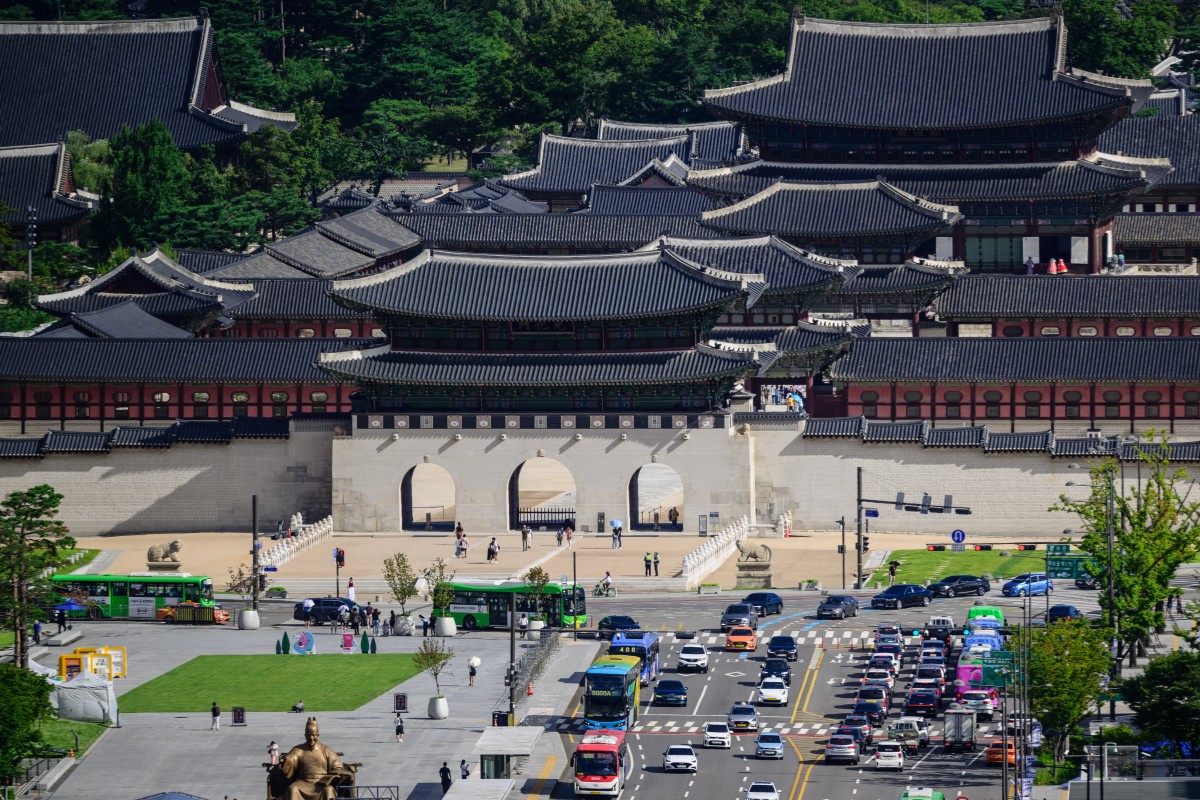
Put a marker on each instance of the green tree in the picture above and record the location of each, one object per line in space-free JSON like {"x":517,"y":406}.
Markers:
{"x":536,"y":578}
{"x":1165,"y":698}
{"x":1100,"y":39}
{"x":458,"y":128}
{"x":91,"y":162}
{"x":391,"y":143}
{"x":284,"y":212}
{"x":26,"y":700}
{"x":149,"y":191}
{"x":401,"y":578}
{"x":439,"y":582}
{"x":1066,"y":663}
{"x":321,"y":154}
{"x":432,"y":658}
{"x":31,"y":541}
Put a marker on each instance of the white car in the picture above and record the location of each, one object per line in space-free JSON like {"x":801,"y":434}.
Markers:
{"x":881,"y":677}
{"x":692,"y":657}
{"x":680,"y":758}
{"x":889,"y":638}
{"x":773,"y":691}
{"x":889,"y":755}
{"x":762,"y":790}
{"x":716,"y":734}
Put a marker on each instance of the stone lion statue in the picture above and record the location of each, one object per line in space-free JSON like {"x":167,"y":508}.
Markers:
{"x":753,"y":552}
{"x":165,"y":552}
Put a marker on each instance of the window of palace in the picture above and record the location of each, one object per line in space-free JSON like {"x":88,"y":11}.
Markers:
{"x":268,"y":333}
{"x":83,"y":402}
{"x":1012,"y":331}
{"x":912,"y":404}
{"x":1112,"y":405}
{"x":991,"y":402}
{"x":1195,"y":331}
{"x":1191,"y":405}
{"x":1088,"y":330}
{"x":279,"y":404}
{"x":241,"y":403}
{"x":1071,"y":403}
{"x":869,"y":400}
{"x":121,"y":405}
{"x":378,"y":333}
{"x":953,"y":404}
{"x":1163,"y":330}
{"x":319,"y":400}
{"x":306,"y":333}
{"x":1033,"y":405}
{"x":161,"y":408}
{"x":41,"y":405}
{"x":1151,"y":402}
{"x":1125,"y":330}
{"x":200,"y":404}
{"x":342,"y":333}
{"x":6,"y":399}
{"x":1051,"y":330}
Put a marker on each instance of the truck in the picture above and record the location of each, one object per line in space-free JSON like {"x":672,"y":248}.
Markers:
{"x":917,"y":725}
{"x":959,"y":730}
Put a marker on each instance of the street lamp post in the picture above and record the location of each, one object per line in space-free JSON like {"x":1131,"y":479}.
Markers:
{"x":31,"y":216}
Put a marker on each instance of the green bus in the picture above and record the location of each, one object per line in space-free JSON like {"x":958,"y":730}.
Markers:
{"x":486,"y":605}
{"x":137,"y":596}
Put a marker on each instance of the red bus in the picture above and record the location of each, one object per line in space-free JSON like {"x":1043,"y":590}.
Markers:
{"x":602,"y":763}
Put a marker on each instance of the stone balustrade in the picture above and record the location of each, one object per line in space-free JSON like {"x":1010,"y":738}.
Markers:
{"x":304,"y":536}
{"x":705,"y":559}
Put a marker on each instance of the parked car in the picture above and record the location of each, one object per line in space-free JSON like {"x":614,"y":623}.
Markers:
{"x":325,"y":609}
{"x":739,"y":615}
{"x":768,"y":745}
{"x":842,"y":747}
{"x":609,"y":625}
{"x":958,"y":585}
{"x":670,"y":692}
{"x":743,"y":717}
{"x":837,"y":606}
{"x":902,"y":595}
{"x":764,"y":603}
{"x":776,"y":668}
{"x":741,"y":639}
{"x":773,"y":691}
{"x":1028,"y":583}
{"x":716,"y":734}
{"x":762,"y":790}
{"x":680,"y":758}
{"x":889,"y":755}
{"x":783,"y":647}
{"x":1060,"y":613}
{"x":692,"y":657}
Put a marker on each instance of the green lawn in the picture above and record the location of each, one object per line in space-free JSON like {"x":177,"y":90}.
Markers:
{"x":457,"y":165}
{"x":6,"y":639}
{"x":329,"y":682}
{"x":57,"y":733}
{"x":918,"y":566}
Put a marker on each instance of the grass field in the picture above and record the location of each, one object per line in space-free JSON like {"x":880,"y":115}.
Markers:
{"x":6,"y":639}
{"x":57,"y":733}
{"x":330,"y":682}
{"x":457,"y":165}
{"x":918,"y":566}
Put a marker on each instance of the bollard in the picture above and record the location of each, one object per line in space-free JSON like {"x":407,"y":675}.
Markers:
{"x":529,"y":689}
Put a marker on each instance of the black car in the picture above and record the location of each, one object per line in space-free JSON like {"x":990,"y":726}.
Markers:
{"x":783,"y":647}
{"x":325,"y":609}
{"x":1061,"y":613}
{"x":942,"y":633}
{"x":1087,"y":582}
{"x":611,"y":624}
{"x":902,"y":595}
{"x":776,"y":668}
{"x":670,"y":693}
{"x":838,"y":606}
{"x":764,"y":603}
{"x":874,"y":712}
{"x":739,"y":615}
{"x":958,"y":585}
{"x":921,"y":703}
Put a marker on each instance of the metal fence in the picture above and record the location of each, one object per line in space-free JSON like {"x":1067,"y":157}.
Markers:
{"x":371,"y":792}
{"x":545,"y":516}
{"x":534,"y":659}
{"x":31,"y":770}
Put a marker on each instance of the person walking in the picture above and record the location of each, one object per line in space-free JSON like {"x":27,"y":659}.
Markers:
{"x":61,"y":618}
{"x":399,"y":727}
{"x":649,"y":562}
{"x":892,"y":573}
{"x":273,"y":752}
{"x":216,"y":717}
{"x":444,"y":772}
{"x":464,"y":769}
{"x":424,"y":625}
{"x":656,"y":563}
{"x":458,"y":545}
{"x":570,"y":536}
{"x":525,"y":533}
{"x":308,"y":607}
{"x":350,"y":590}
{"x":37,"y":631}
{"x":470,"y":674}
{"x":559,"y":536}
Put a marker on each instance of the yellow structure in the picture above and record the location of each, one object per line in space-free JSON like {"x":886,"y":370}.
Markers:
{"x":119,"y":658}
{"x":70,"y":665}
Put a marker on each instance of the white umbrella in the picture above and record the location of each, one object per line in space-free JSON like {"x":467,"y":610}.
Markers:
{"x":474,"y":661}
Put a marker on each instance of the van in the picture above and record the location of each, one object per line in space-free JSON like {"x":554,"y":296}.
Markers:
{"x":889,"y":755}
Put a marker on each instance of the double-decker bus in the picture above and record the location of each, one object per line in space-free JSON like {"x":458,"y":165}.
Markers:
{"x":602,"y":763}
{"x":644,"y":645}
{"x":477,"y":606}
{"x":136,"y":596}
{"x":612,"y":692}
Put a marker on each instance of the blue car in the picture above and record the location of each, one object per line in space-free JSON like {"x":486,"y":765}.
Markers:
{"x":1030,"y":583}
{"x":670,"y":693}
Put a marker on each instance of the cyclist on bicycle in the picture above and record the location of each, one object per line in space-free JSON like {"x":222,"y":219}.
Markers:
{"x":606,"y":584}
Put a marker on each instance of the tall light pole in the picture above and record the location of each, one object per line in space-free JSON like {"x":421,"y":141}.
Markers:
{"x":30,"y":244}
{"x":858,"y":538}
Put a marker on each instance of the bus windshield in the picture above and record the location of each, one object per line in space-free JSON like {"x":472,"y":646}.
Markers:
{"x":606,"y":685}
{"x":601,"y":764}
{"x":604,"y":709}
{"x":206,"y":590}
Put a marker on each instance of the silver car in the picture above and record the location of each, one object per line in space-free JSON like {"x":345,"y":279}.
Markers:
{"x":680,"y":758}
{"x":743,"y":717}
{"x":768,"y":745}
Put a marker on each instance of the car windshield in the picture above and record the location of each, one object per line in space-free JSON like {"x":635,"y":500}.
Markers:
{"x":841,"y":741}
{"x":836,"y":601}
{"x":770,"y":738}
{"x":892,"y":591}
{"x":741,"y":632}
{"x":757,"y":598}
{"x":692,"y":649}
{"x":929,"y":672}
{"x":782,"y":641}
{"x":680,"y":750}
{"x":670,"y":684}
{"x":976,"y":696}
{"x":717,"y":727}
{"x":604,"y":709}
{"x":595,"y":764}
{"x":775,"y":663}
{"x":773,"y":683}
{"x":741,"y":711}
{"x":1021,"y":578}
{"x":738,"y":609}
{"x":885,"y":747}
{"x":762,"y":787}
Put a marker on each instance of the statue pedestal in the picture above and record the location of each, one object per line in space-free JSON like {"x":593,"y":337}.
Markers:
{"x":753,"y":575}
{"x":163,"y":566}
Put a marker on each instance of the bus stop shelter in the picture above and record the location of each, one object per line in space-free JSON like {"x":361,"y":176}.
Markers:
{"x":486,"y":789}
{"x":497,"y":748}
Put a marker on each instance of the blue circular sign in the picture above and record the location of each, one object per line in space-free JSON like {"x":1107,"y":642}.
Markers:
{"x":958,"y":537}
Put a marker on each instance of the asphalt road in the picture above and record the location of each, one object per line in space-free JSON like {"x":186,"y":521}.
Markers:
{"x":825,"y":677}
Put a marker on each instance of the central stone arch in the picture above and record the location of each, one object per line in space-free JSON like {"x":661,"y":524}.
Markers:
{"x":427,"y":499}
{"x":655,"y":489}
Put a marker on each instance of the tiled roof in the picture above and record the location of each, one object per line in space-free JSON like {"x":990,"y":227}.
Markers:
{"x":39,"y":177}
{"x":262,"y":264}
{"x":141,"y":436}
{"x":864,"y":75}
{"x":148,"y":437}
{"x":203,"y":431}
{"x":715,"y":142}
{"x":369,"y":232}
{"x":834,"y":428}
{"x":894,"y":431}
{"x":384,"y":366}
{"x":205,"y":261}
{"x":254,"y":118}
{"x":75,"y":442}
{"x":294,"y":299}
{"x":1070,"y":296}
{"x":510,"y":231}
{"x":161,"y":360}
{"x":948,"y":183}
{"x":1040,"y":442}
{"x":20,"y":448}
{"x":916,"y":274}
{"x":647,"y":201}
{"x":800,"y":210}
{"x":1160,"y":136}
{"x":1085,"y":446}
{"x":1173,"y":451}
{"x":125,"y":320}
{"x":1157,"y":229}
{"x":1025,"y":359}
{"x":261,"y":428}
{"x":350,"y":197}
{"x":790,"y":339}
{"x":786,"y":267}
{"x":99,"y":77}
{"x":486,"y":196}
{"x":956,"y":437}
{"x":543,"y":288}
{"x":568,"y":164}
{"x":319,"y":255}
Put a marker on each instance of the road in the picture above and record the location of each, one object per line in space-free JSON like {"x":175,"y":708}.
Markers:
{"x":825,"y":677}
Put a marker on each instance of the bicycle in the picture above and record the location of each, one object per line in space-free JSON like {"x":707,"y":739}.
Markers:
{"x":604,"y":591}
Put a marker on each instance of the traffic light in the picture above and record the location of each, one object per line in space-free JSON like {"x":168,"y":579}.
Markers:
{"x":1027,"y":547}
{"x":841,"y":548}
{"x":933,"y":547}
{"x":866,"y":540}
{"x":983,"y":547}
{"x":262,"y":582}
{"x":341,"y":557}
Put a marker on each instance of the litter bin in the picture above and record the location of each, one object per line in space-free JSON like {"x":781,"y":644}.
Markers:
{"x":500,"y":719}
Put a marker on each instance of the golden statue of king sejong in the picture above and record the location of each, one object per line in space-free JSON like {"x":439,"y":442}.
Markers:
{"x":309,"y":771}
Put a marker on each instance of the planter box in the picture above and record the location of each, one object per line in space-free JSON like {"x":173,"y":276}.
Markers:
{"x":809,"y":586}
{"x":710,"y":588}
{"x":276,"y":592}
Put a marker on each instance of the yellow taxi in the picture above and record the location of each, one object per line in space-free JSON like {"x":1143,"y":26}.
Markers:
{"x":741,"y":639}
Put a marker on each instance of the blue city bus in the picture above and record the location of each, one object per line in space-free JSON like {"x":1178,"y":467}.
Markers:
{"x":611,"y":693}
{"x":642,"y":644}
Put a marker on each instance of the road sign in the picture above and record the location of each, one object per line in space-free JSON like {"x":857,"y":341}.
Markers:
{"x":958,"y":537}
{"x":270,"y":569}
{"x":1058,"y":549}
{"x":996,"y":668}
{"x":958,"y":548}
{"x":870,"y":512}
{"x":400,"y":702}
{"x":1067,"y":567}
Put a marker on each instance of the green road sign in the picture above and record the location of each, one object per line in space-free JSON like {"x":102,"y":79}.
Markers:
{"x":1067,"y":567}
{"x":997,"y":667}
{"x":1058,"y":549}
{"x":1114,"y":696}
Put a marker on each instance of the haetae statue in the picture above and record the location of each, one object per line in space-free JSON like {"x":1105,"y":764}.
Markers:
{"x":310,"y":771}
{"x":753,"y":552}
{"x":165,"y":552}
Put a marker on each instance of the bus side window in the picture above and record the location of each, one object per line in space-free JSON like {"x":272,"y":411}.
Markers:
{"x":137,"y":590}
{"x":118,"y":589}
{"x":193,"y":592}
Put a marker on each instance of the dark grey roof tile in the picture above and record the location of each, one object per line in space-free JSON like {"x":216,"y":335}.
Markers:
{"x":141,"y":436}
{"x":262,"y":264}
{"x":1161,"y":136}
{"x":202,"y":431}
{"x":887,"y":432}
{"x":715,"y":142}
{"x":75,"y":442}
{"x":294,"y":299}
{"x":916,"y":274}
{"x":124,"y":321}
{"x":543,"y":231}
{"x":976,"y":436}
{"x":648,"y":201}
{"x":20,"y":448}
{"x":39,"y":177}
{"x":1059,"y":296}
{"x":1041,"y":442}
{"x":1150,"y":229}
{"x":369,"y":232}
{"x":319,"y":255}
{"x":568,"y":164}
{"x":834,"y":428}
{"x":787,"y":268}
{"x":261,"y":428}
{"x":204,"y":261}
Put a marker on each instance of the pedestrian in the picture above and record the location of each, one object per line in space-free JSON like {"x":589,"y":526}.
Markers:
{"x":523,"y":623}
{"x":891,"y":573}
{"x":444,"y":772}
{"x":308,"y":607}
{"x":343,"y":619}
{"x":649,"y":561}
{"x":463,"y":769}
{"x":216,"y":717}
{"x":350,"y":590}
{"x":615,"y":543}
{"x":61,"y":618}
{"x":458,"y":545}
{"x":298,"y":708}
{"x":399,"y":727}
{"x":424,"y":625}
{"x":559,"y":536}
{"x":37,"y":631}
{"x":375,"y":617}
{"x":273,"y":752}
{"x":470,"y":674}
{"x":1121,"y":259}
{"x":570,"y":536}
{"x":656,"y":563}
{"x":620,"y":533}
{"x":392,"y":619}
{"x":466,"y":545}
{"x":1029,"y":265}
{"x":525,"y":533}
{"x":673,"y":515}
{"x":355,"y":620}
{"x":458,"y":529}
